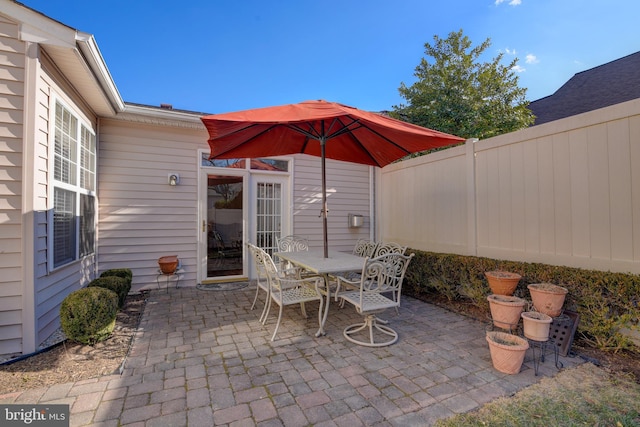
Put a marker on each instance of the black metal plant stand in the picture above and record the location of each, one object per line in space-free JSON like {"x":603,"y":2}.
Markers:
{"x":542,"y":347}
{"x":168,"y":278}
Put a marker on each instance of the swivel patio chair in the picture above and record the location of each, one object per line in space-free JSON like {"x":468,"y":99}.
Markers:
{"x":372,"y":250}
{"x":380,"y":289}
{"x":285,"y":289}
{"x":363,"y":248}
{"x":384,"y":248}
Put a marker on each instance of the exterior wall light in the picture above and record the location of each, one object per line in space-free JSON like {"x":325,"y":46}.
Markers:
{"x":174,"y":179}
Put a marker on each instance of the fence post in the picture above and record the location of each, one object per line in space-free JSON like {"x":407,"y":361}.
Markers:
{"x":472,"y":220}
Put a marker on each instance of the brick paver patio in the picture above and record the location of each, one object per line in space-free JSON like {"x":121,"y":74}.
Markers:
{"x":201,"y":358}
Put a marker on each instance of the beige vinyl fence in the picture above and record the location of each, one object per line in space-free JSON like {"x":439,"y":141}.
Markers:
{"x":562,"y":193}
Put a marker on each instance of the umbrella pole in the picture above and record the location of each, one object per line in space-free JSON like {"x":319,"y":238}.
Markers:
{"x":324,"y":197}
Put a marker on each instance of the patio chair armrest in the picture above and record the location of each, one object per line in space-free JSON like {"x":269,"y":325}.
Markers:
{"x":287,"y":283}
{"x":352,"y":282}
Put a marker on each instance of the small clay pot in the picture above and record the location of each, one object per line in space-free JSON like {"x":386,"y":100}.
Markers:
{"x":502,"y":282}
{"x":168,"y":264}
{"x":547,"y":298}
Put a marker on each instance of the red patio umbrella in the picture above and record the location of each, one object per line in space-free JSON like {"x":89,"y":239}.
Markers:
{"x":320,"y":128}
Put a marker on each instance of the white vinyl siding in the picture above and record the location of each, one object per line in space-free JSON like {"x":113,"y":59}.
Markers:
{"x":348,"y":191}
{"x":141,"y":216}
{"x":11,"y":171}
{"x":51,"y":286}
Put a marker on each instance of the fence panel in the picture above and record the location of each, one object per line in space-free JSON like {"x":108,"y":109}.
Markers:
{"x":562,"y":193}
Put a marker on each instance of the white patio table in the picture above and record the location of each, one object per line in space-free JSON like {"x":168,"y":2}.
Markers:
{"x":315,"y":262}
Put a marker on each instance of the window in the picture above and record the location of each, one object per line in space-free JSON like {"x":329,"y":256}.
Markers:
{"x":274,"y":165}
{"x":74,"y":174}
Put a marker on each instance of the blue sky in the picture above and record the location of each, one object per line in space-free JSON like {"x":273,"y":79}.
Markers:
{"x":216,"y":56}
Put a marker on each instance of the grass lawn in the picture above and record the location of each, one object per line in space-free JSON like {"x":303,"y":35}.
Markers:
{"x":583,"y":396}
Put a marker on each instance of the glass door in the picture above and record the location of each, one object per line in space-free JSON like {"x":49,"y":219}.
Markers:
{"x":224,"y":226}
{"x":271,"y":211}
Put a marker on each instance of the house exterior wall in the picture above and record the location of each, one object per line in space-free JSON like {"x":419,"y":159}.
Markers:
{"x":31,"y":291}
{"x":563,"y":193}
{"x":12,"y":63}
{"x":51,"y":286}
{"x":141,"y":217}
{"x":348,"y":191}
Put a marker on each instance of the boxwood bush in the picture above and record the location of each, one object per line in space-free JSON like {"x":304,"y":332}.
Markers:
{"x":88,"y":315}
{"x":608,"y":303}
{"x":119,"y":272}
{"x":120,"y":285}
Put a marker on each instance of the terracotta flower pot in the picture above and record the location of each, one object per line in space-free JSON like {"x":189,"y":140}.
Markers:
{"x":536,"y":325}
{"x":507,"y":351}
{"x":547,"y":298}
{"x":502,"y":282}
{"x":505,"y":310}
{"x":168,"y":264}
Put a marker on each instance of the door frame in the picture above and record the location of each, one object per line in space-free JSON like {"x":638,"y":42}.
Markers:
{"x":203,"y":174}
{"x":249,"y":223}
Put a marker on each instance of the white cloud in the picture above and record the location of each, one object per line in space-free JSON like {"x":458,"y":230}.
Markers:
{"x":531,"y":59}
{"x":510,"y":51}
{"x":511,"y":3}
{"x":519,"y":69}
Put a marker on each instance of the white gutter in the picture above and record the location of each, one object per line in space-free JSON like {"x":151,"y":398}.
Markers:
{"x":91,"y":53}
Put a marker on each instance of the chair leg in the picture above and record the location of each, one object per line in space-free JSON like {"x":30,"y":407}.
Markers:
{"x":303,"y":309}
{"x":370,"y":322}
{"x":266,"y":310}
{"x":275,"y":331}
{"x":255,"y":298}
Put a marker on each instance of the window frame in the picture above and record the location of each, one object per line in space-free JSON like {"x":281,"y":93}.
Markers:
{"x":84,"y":229}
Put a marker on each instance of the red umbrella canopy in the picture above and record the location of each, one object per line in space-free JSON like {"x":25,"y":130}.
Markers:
{"x":350,"y":134}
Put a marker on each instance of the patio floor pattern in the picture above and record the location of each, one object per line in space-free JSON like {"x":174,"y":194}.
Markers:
{"x":201,"y":358}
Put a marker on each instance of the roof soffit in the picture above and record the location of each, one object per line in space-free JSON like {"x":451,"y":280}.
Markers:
{"x":76,"y":55}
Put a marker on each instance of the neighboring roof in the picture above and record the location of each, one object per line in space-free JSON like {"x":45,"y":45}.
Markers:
{"x":608,"y":84}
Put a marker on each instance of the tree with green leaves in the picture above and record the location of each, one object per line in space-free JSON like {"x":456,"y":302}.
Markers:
{"x":458,"y":94}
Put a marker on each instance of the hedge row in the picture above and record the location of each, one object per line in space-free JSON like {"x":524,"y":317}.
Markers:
{"x":608,"y":303}
{"x":88,"y":315}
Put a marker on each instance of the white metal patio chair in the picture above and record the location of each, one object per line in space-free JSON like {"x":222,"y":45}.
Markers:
{"x":351,"y":281}
{"x":384,"y":248}
{"x":380,"y":288}
{"x":262,"y":282}
{"x":365,"y":248}
{"x":286,"y":289}
{"x":293,"y":243}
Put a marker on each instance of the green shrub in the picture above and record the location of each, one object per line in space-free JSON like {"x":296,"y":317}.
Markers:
{"x":606,"y":302}
{"x":88,"y":315}
{"x":119,"y":272}
{"x":119,"y":285}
